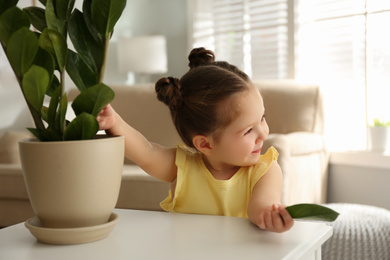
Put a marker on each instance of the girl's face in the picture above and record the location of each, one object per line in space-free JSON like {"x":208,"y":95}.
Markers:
{"x":240,"y":142}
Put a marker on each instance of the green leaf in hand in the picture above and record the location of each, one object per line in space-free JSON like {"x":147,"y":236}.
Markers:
{"x":312,"y":212}
{"x":93,"y":100}
{"x":84,"y":126}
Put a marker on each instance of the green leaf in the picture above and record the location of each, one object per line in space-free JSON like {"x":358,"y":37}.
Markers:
{"x":52,"y":20}
{"x":84,"y":126}
{"x":52,"y":111}
{"x":10,"y":21}
{"x":44,"y":113}
{"x":55,"y":83}
{"x":84,"y":43}
{"x":44,"y":134}
{"x":93,"y":100}
{"x":51,"y":17}
{"x":37,"y":17}
{"x":43,"y":2}
{"x":36,"y":132}
{"x":57,"y":14}
{"x":312,"y":212}
{"x":6,"y":4}
{"x":35,"y":84}
{"x":64,"y":8}
{"x":88,"y":21}
{"x":105,"y":14}
{"x":54,"y":43}
{"x":45,"y":60}
{"x":380,"y":122}
{"x":83,"y":77}
{"x":56,"y":117}
{"x":23,"y":46}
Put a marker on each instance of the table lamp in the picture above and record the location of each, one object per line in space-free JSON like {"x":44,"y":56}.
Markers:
{"x":143,"y":56}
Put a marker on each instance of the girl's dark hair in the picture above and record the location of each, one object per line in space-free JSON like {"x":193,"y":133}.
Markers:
{"x":195,"y":99}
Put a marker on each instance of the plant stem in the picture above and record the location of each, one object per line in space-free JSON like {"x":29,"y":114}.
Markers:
{"x":104,"y":61}
{"x":62,"y":84}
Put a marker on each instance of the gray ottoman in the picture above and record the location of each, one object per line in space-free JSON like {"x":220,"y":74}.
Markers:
{"x":360,"y":232}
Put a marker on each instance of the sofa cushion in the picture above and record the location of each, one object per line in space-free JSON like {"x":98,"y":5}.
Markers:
{"x":9,"y":146}
{"x":140,"y":190}
{"x":300,"y":109}
{"x":155,"y":121}
{"x":12,"y":182}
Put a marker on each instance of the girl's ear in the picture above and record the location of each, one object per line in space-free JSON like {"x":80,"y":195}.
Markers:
{"x":202,"y":144}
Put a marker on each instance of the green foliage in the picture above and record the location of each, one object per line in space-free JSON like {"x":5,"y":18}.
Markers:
{"x":40,"y":58}
{"x":105,"y":14}
{"x":93,"y":100}
{"x":21,"y":51}
{"x":35,"y":83}
{"x":312,"y":212}
{"x":37,"y":17}
{"x":380,"y":122}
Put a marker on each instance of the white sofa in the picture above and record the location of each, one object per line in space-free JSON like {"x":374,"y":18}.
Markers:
{"x":294,"y":114}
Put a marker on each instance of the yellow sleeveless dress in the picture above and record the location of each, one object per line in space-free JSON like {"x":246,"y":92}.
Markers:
{"x":198,"y":192}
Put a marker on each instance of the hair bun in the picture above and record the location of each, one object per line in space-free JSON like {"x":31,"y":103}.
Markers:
{"x":200,"y":56}
{"x":169,"y":92}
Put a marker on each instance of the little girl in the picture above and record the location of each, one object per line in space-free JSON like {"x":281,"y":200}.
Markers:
{"x":220,"y":117}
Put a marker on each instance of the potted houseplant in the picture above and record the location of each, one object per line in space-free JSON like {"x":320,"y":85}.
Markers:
{"x":35,"y":41}
{"x":379,"y":135}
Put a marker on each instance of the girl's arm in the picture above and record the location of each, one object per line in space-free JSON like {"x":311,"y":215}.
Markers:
{"x":156,"y":160}
{"x":264,"y":208}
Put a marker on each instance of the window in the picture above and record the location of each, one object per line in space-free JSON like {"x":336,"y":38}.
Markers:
{"x":339,"y":44}
{"x":250,"y":34}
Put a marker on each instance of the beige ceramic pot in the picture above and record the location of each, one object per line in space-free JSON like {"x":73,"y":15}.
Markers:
{"x":73,"y":184}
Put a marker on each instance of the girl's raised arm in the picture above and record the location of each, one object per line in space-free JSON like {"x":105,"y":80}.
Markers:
{"x":156,"y":160}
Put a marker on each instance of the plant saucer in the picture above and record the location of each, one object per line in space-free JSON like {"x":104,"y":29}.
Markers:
{"x":70,"y":236}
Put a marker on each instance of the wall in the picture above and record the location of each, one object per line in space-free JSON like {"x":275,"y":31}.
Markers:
{"x":141,"y":17}
{"x":359,"y":177}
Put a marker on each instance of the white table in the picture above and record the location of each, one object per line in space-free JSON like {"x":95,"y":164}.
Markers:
{"x":161,"y":235}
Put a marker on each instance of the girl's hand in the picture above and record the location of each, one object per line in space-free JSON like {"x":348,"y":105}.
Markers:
{"x":106,"y":118}
{"x":275,"y":218}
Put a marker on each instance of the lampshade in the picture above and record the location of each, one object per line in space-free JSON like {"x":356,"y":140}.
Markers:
{"x":143,"y":54}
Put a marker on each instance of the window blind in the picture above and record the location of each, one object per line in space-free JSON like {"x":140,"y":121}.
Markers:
{"x":342,"y":45}
{"x":251,"y":34}
{"x":268,"y":39}
{"x":330,"y":50}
